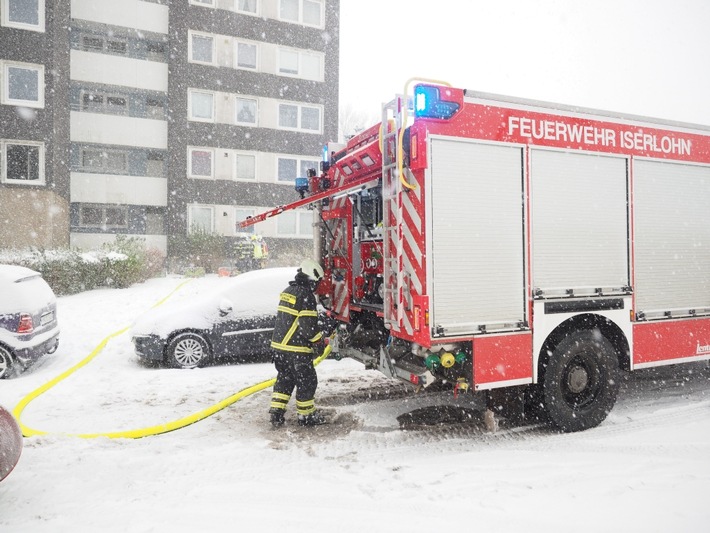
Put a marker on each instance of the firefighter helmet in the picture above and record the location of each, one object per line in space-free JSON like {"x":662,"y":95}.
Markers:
{"x":311,"y":269}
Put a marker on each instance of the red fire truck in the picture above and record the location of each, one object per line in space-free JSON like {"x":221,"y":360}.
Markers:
{"x":502,"y":244}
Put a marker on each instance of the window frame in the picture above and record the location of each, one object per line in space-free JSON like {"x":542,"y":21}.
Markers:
{"x":203,"y":3}
{"x":241,"y":153}
{"x":190,"y":52}
{"x":103,"y":169}
{"x":41,"y":175}
{"x":5,"y":89}
{"x":104,"y":225}
{"x":190,"y":217}
{"x":245,"y":12}
{"x":299,"y":117}
{"x":299,"y":64}
{"x":300,"y":160}
{"x":299,"y":233}
{"x":104,"y":107}
{"x":190,"y":151}
{"x":300,"y":20}
{"x":249,"y":230}
{"x":190,"y":93}
{"x":236,"y":111}
{"x":39,"y":27}
{"x":237,"y":66}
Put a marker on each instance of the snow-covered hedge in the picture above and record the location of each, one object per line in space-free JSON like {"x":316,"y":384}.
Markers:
{"x":118,"y":264}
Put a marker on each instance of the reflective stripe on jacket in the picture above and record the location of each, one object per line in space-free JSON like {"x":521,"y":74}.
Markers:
{"x":296,"y":327}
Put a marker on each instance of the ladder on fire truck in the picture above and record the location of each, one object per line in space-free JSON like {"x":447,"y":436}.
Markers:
{"x":394,"y":116}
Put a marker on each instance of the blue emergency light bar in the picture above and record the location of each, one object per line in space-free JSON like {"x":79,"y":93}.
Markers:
{"x":429,"y":104}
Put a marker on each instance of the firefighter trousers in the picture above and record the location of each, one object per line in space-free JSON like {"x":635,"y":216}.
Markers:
{"x":294,"y":371}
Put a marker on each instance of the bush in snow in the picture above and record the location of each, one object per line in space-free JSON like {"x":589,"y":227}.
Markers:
{"x":118,"y":264}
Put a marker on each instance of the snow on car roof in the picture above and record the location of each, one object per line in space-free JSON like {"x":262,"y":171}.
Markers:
{"x":253,"y":293}
{"x":14,"y":273}
{"x":23,"y":290}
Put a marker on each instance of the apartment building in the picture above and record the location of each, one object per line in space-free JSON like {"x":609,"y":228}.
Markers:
{"x":175,"y":116}
{"x":34,"y":124}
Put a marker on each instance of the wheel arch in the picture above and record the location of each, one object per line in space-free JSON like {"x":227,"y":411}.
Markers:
{"x":587,"y":321}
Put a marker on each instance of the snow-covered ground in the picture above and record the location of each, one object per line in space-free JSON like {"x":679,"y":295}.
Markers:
{"x":645,"y":469}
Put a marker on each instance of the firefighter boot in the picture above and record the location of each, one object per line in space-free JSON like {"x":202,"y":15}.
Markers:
{"x":277,"y":417}
{"x":314,"y":419}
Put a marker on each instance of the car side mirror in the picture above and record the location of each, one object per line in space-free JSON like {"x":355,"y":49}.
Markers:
{"x":225,"y":307}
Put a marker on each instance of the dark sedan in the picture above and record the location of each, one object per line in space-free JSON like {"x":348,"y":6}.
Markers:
{"x":234,"y":323}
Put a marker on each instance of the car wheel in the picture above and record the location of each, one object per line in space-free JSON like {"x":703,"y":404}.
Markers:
{"x":581,"y":382}
{"x":5,"y":362}
{"x":188,"y":350}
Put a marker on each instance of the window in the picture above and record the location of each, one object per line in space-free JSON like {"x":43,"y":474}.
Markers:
{"x":116,"y":47}
{"x":23,"y":162}
{"x":201,"y":163}
{"x":295,"y":224}
{"x":105,"y":161}
{"x":23,"y":84}
{"x":201,"y":106}
{"x":311,"y":67}
{"x":288,"y":62}
{"x":202,"y":2}
{"x":246,"y":111}
{"x":103,"y":216}
{"x":308,"y":12}
{"x":201,"y":218}
{"x":301,"y":64}
{"x":155,"y":50}
{"x":154,"y":221}
{"x":246,"y":167}
{"x":201,"y":48}
{"x":290,"y":168}
{"x":288,"y":116}
{"x":155,"y":164}
{"x":155,"y":108}
{"x":246,"y":6}
{"x":242,"y":213}
{"x":92,"y":43}
{"x":117,"y":105}
{"x":310,"y":118}
{"x":23,"y":14}
{"x":246,"y":56}
{"x":97,"y":102}
{"x":300,"y":117}
{"x":92,"y":102}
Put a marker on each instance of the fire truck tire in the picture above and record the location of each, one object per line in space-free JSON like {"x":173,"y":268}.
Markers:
{"x":188,"y":350}
{"x":581,"y":381}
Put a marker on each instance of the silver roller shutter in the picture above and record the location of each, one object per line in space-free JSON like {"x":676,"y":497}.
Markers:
{"x":579,"y":222}
{"x":671,"y":237}
{"x":476,"y":236}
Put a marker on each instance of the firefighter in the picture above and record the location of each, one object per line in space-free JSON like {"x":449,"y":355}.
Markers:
{"x":260,"y":251}
{"x":296,"y":342}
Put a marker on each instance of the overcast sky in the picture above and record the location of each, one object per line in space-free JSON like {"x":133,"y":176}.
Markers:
{"x":642,"y":57}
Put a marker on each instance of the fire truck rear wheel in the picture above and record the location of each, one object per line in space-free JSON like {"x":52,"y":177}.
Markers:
{"x":581,"y":381}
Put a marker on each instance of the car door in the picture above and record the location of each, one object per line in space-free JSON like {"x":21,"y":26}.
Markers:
{"x":245,"y":338}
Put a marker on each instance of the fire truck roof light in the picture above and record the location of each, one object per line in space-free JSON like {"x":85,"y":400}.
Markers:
{"x":429,"y":104}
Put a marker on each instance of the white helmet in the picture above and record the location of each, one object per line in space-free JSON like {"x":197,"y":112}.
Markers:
{"x":311,"y":269}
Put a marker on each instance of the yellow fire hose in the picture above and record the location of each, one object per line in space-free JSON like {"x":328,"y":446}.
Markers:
{"x":147,"y":431}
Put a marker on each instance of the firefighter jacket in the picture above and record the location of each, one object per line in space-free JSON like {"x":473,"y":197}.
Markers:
{"x":296,"y":328}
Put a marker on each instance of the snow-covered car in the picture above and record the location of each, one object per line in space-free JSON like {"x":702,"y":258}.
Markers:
{"x":28,"y":319}
{"x":233,"y":323}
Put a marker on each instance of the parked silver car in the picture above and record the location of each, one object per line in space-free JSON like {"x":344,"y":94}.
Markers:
{"x":28,"y":319}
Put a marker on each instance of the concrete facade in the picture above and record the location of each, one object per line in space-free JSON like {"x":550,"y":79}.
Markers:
{"x":155,"y":118}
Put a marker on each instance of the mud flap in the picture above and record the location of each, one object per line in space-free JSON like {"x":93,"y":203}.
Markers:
{"x":10,"y":443}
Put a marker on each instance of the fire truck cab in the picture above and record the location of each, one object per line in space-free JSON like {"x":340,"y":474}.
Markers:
{"x":501,"y":243}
